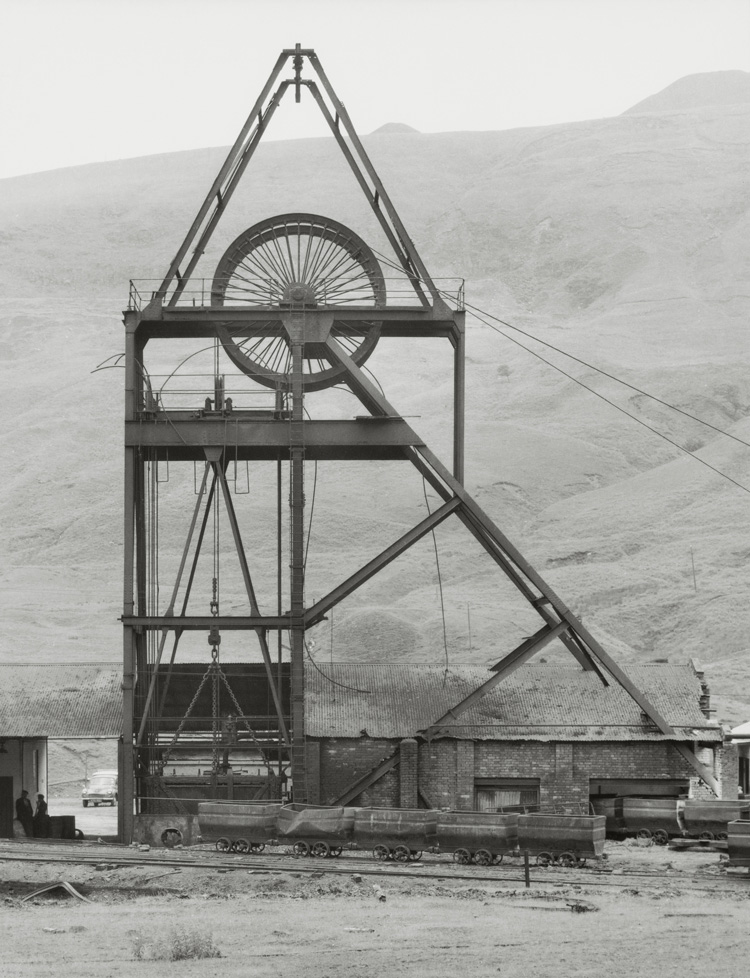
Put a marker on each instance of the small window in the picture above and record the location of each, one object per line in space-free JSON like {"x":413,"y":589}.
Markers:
{"x":507,"y":795}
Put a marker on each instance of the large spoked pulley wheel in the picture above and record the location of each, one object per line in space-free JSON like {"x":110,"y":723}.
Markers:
{"x":297,"y":263}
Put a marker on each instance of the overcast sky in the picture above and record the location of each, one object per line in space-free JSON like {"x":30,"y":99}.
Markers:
{"x":91,"y":80}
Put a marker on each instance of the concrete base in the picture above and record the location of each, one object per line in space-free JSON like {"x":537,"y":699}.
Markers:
{"x":166,"y":831}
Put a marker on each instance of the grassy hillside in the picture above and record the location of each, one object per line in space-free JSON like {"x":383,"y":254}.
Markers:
{"x":623,"y":241}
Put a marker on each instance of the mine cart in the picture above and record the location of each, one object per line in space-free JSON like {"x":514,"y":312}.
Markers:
{"x":708,"y":819}
{"x":396,"y":833}
{"x":316,"y":831}
{"x":238,"y":826}
{"x":738,"y":843}
{"x":646,"y":818}
{"x":568,"y":840}
{"x":479,"y":837}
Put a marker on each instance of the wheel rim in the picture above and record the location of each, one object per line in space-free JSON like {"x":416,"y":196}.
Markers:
{"x":298,"y":261}
{"x":544,"y":858}
{"x":706,"y":836}
{"x":257,"y":846}
{"x":661,"y":837}
{"x":401,"y":854}
{"x":223,"y":845}
{"x":567,"y":859}
{"x":644,"y":833}
{"x":483,"y":857}
{"x":240,"y":845}
{"x":320,"y":849}
{"x":381,"y":852}
{"x":415,"y":855}
{"x":301,"y":848}
{"x":462,"y":856}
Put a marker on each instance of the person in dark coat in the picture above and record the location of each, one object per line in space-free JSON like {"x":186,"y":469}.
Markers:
{"x":25,"y":813}
{"x":41,"y":818}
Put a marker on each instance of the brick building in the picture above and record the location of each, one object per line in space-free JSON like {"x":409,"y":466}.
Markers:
{"x":548,"y":735}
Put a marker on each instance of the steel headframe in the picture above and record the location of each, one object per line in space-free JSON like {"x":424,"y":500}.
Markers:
{"x":153,"y":434}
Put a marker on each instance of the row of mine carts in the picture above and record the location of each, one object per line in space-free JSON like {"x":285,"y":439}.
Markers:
{"x":481,"y":838}
{"x":403,"y":835}
{"x":661,"y":819}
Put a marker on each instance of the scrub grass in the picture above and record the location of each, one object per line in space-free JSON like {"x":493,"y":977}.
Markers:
{"x":180,"y":944}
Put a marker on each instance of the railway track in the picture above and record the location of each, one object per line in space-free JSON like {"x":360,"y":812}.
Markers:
{"x":353,"y":862}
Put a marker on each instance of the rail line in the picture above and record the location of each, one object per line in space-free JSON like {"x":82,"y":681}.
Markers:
{"x":86,"y":854}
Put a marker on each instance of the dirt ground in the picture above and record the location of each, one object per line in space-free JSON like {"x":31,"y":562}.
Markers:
{"x":319,"y":925}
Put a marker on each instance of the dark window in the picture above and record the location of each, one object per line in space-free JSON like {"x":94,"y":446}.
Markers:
{"x":506,"y":794}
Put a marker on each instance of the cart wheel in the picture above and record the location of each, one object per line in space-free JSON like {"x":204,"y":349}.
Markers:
{"x":482,"y":857}
{"x":401,"y":854}
{"x":706,"y":836}
{"x":241,"y":845}
{"x":462,"y":856}
{"x":301,"y":849}
{"x":381,"y":852}
{"x":257,"y":846}
{"x":543,"y":858}
{"x":643,"y":834}
{"x":661,"y":837}
{"x":79,"y":836}
{"x":497,"y":858}
{"x":415,"y":855}
{"x":336,"y":850}
{"x":320,"y":849}
{"x":720,"y":836}
{"x":223,"y":845}
{"x":566,"y":859}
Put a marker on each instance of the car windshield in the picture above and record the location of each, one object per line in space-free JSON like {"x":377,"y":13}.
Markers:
{"x":97,"y":783}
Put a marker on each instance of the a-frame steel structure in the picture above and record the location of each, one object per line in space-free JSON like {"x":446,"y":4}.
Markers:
{"x":296,"y":304}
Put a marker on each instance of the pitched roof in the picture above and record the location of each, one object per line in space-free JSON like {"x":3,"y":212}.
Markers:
{"x":536,"y":702}
{"x":60,"y":700}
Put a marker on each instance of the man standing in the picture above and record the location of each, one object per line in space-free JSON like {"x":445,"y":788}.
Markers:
{"x":25,"y":813}
{"x":41,"y":818}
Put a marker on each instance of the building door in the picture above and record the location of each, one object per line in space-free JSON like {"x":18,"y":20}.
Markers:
{"x":6,"y":808}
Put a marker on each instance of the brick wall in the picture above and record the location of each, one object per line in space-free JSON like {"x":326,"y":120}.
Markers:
{"x":408,"y":774}
{"x":343,"y":761}
{"x":445,"y":770}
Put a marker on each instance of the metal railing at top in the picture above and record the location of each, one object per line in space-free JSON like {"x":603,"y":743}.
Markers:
{"x":261,"y":295}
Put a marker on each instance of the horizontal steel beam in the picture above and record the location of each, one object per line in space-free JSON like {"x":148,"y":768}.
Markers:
{"x":244,"y":438}
{"x":200,"y":321}
{"x":204,"y":623}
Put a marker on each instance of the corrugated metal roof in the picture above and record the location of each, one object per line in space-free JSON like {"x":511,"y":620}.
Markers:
{"x":61,"y":700}
{"x":536,"y":702}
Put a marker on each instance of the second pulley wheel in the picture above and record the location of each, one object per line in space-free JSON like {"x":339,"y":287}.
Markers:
{"x":298,"y":262}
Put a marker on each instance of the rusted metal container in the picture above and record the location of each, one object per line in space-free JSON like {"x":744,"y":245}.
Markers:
{"x":738,"y":842}
{"x":233,"y":821}
{"x":481,"y":837}
{"x":300,"y":825}
{"x":400,"y":833}
{"x":647,"y":818}
{"x":708,"y":819}
{"x":567,"y":838}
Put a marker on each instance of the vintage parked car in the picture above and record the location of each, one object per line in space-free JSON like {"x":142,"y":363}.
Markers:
{"x":100,"y":789}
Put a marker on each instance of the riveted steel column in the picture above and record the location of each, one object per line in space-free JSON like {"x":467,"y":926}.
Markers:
{"x":459,"y":396}
{"x":126,"y":788}
{"x":296,"y":325}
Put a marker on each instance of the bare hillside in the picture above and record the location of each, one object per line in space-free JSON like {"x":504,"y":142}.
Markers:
{"x":623,"y":241}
